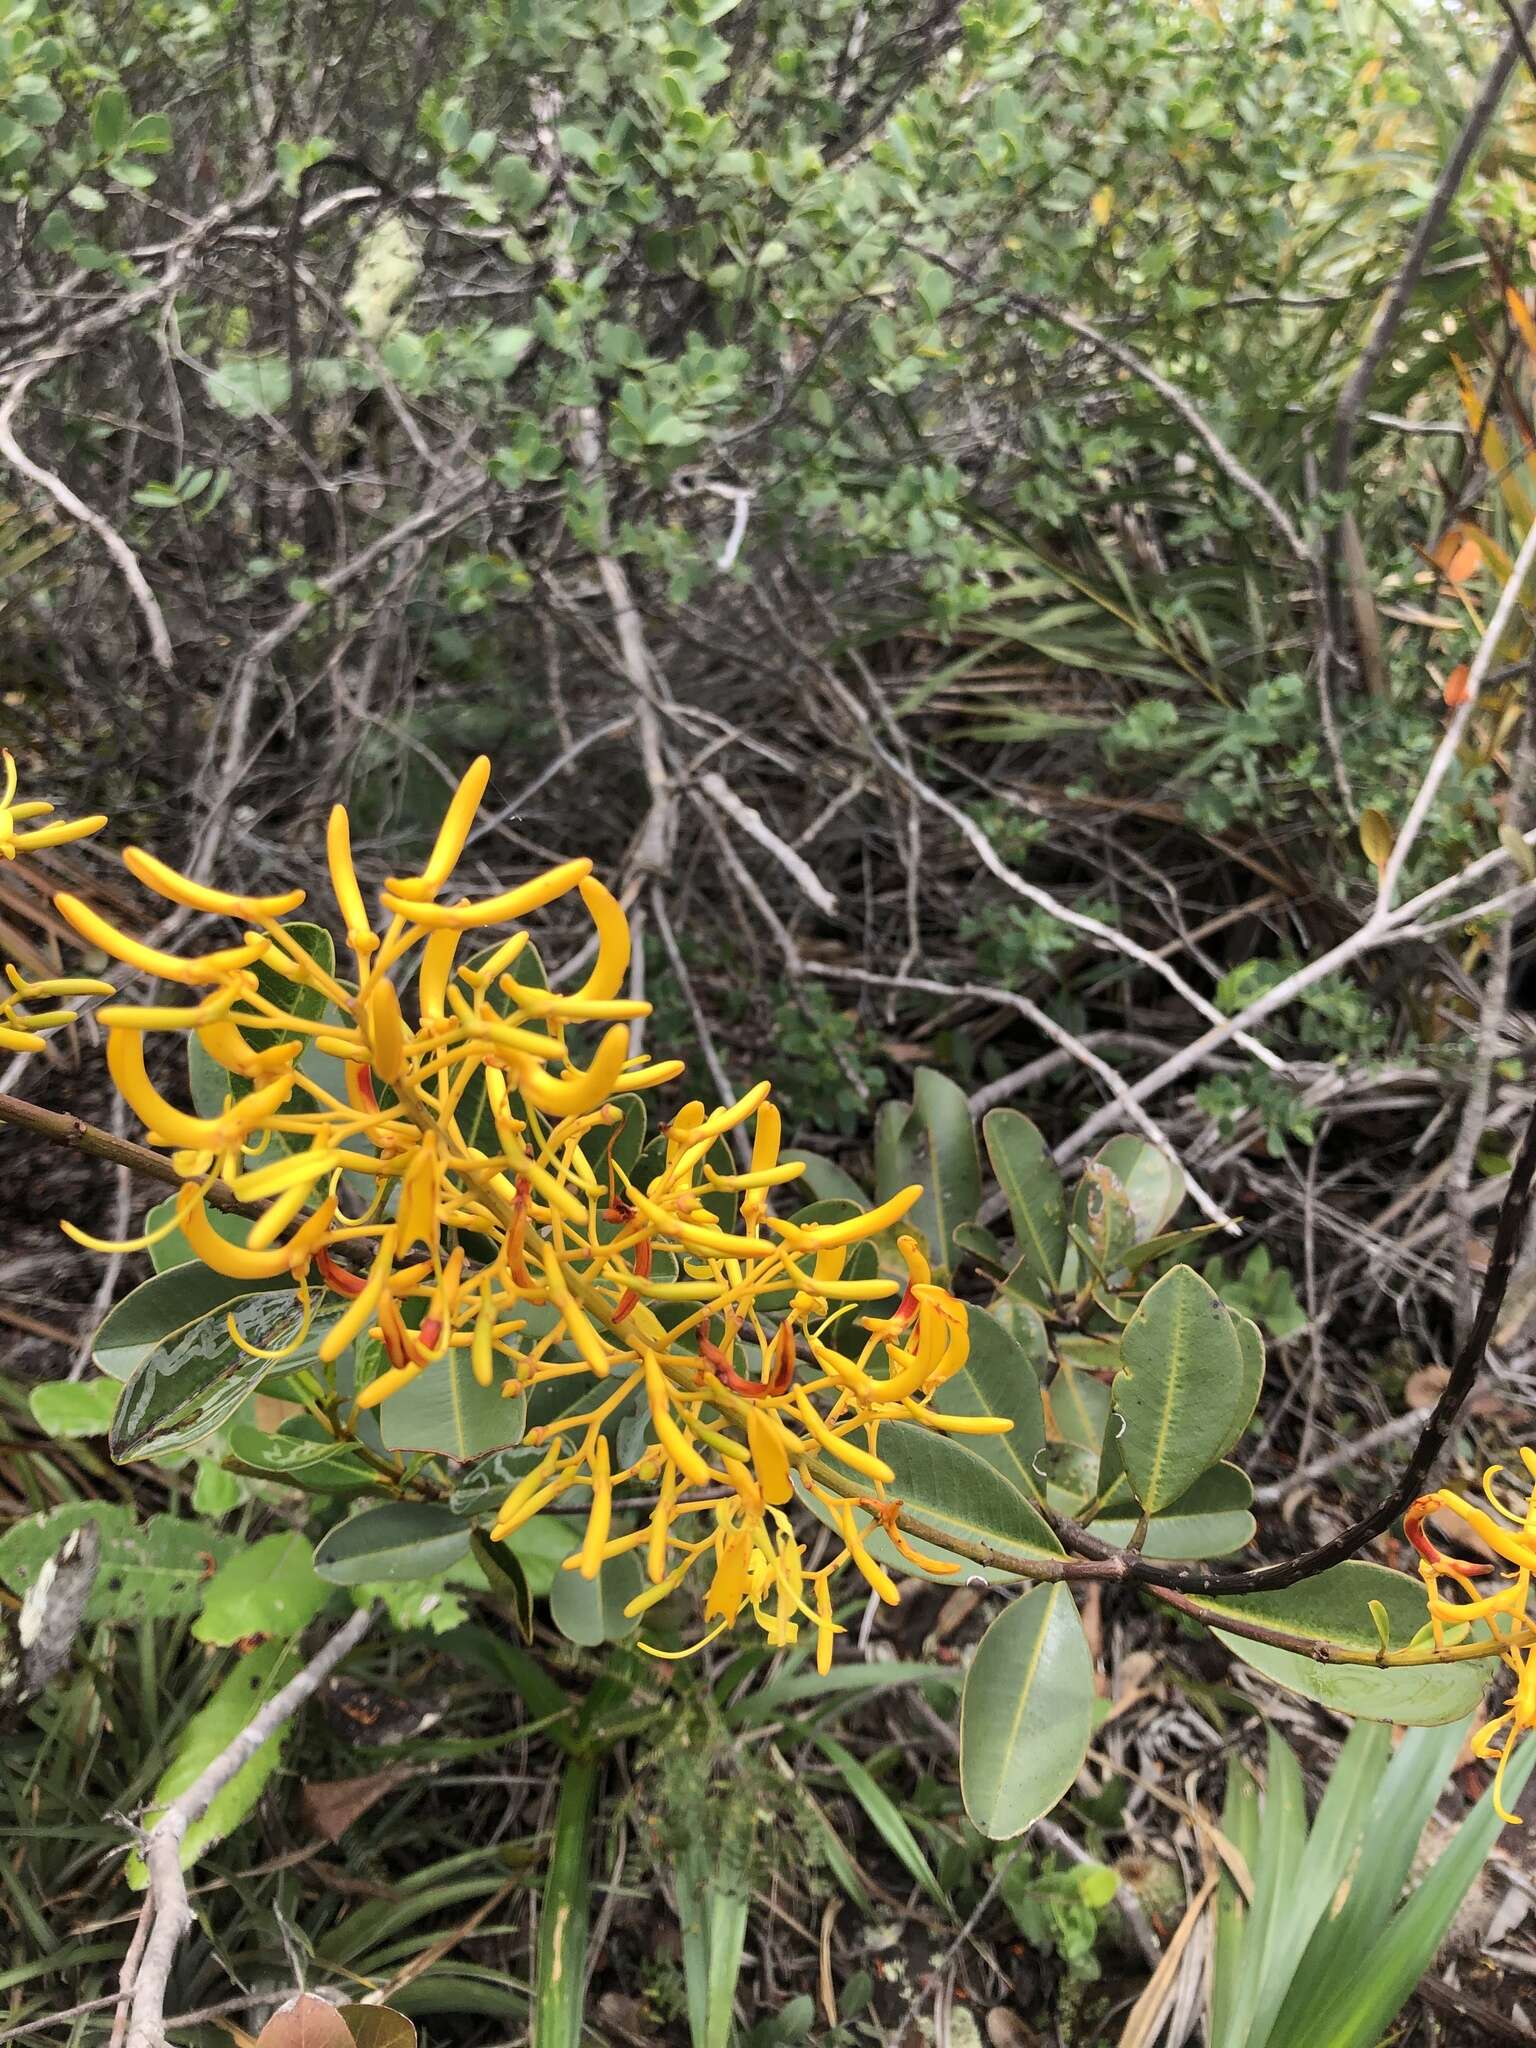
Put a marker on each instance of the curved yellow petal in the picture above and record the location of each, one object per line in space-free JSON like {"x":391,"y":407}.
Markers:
{"x":196,"y":968}
{"x":361,"y":936}
{"x":613,"y":943}
{"x":816,"y":1236}
{"x":162,"y":1119}
{"x":501,"y":909}
{"x":451,"y":835}
{"x":176,"y":888}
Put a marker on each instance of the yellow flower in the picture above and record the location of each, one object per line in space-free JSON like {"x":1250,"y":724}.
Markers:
{"x":21,"y":1029}
{"x":468,"y":1161}
{"x":13,"y":814}
{"x":1511,"y":1535}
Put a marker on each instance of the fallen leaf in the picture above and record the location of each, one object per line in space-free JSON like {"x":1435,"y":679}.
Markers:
{"x":1424,"y":1387}
{"x":1455,"y":691}
{"x":306,"y":2022}
{"x":330,"y":1806}
{"x":1376,"y":836}
{"x":1006,"y":2030}
{"x":378,"y":2026}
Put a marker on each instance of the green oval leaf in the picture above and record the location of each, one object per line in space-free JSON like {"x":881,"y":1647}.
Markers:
{"x":591,"y":1611}
{"x":1181,"y":1381}
{"x":187,"y":1386}
{"x":943,"y":1137}
{"x":300,"y":1454}
{"x":1212,"y":1520}
{"x":948,"y":1486}
{"x":506,"y":1578}
{"x":269,"y":1588}
{"x":1026,"y":1713}
{"x":1032,"y":1188}
{"x":1153,"y":1182}
{"x":71,"y":1408}
{"x":999,"y":1378}
{"x":1335,"y":1608}
{"x":1250,"y":1343}
{"x":405,"y":1540}
{"x":447,"y":1410}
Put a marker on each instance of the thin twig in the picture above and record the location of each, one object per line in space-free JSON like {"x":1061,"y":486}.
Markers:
{"x":73,"y":1131}
{"x":126,"y":560}
{"x":162,"y":1847}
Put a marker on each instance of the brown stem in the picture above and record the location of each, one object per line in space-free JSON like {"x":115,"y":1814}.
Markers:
{"x":75,"y":1132}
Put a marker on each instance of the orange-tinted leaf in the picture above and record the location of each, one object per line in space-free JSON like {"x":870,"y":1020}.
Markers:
{"x":1518,"y":312}
{"x":1376,"y":837}
{"x":307,"y":2022}
{"x":1456,"y":685}
{"x":1466,"y":561}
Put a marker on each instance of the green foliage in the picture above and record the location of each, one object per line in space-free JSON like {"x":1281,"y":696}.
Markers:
{"x":207,"y":1735}
{"x":1328,"y":1940}
{"x":1026,"y":1713}
{"x":1059,"y":1907}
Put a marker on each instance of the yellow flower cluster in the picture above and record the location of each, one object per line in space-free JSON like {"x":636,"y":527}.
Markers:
{"x":679,"y":1297}
{"x":21,"y":1028}
{"x":1511,"y":1535}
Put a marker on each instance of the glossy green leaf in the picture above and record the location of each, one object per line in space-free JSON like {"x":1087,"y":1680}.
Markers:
{"x":207,"y":1735}
{"x":169,"y":1303}
{"x":447,"y":1410}
{"x":481,"y":1490}
{"x":1179,"y":1389}
{"x":1334,"y":1608}
{"x":74,"y":1408}
{"x":945,"y":1484}
{"x":999,"y":1379}
{"x":505,"y":1576}
{"x":404,"y":1540}
{"x":268,"y":1588}
{"x":591,"y":1611}
{"x":1025,"y":1325}
{"x":299,"y":1453}
{"x":943,"y":1137}
{"x":149,"y":1571}
{"x":1026,"y":1713}
{"x":1153,"y":1182}
{"x":185,"y":1387}
{"x":1212,"y":1520}
{"x":541,"y":1547}
{"x":1078,"y":1406}
{"x":1031,"y":1185}
{"x":1250,"y":1343}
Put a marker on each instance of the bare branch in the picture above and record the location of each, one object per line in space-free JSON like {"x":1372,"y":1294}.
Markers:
{"x":172,"y":1914}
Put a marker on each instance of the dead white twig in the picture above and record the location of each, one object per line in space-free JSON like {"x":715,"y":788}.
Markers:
{"x":171,"y":1913}
{"x":753,"y":823}
{"x":1059,"y":1036}
{"x":1092,"y":927}
{"x":94,"y":522}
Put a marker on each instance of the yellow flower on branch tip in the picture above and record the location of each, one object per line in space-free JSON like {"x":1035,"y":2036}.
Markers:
{"x":1506,"y":1610}
{"x":460,"y":1193}
{"x":18,"y":831}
